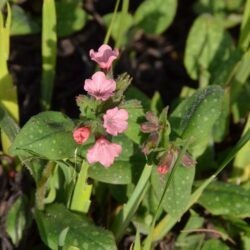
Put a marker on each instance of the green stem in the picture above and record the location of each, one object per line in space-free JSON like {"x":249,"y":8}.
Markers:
{"x":41,"y":185}
{"x":81,"y":196}
{"x":106,"y":40}
{"x":123,"y":218}
{"x":163,"y":227}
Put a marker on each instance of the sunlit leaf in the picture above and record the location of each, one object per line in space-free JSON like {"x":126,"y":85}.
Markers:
{"x":195,"y":117}
{"x":155,"y":16}
{"x":22,"y":22}
{"x":208,"y":46}
{"x":47,"y":135}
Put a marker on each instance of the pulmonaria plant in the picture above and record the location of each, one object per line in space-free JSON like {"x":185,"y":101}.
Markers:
{"x":101,"y":115}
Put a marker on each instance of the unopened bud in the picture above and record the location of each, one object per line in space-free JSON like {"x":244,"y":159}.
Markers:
{"x":81,"y":135}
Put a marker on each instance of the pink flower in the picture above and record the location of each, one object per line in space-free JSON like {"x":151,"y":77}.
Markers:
{"x":163,"y":169}
{"x":104,"y":152}
{"x":99,"y":86}
{"x":115,"y":121}
{"x":104,"y":56}
{"x":81,"y":135}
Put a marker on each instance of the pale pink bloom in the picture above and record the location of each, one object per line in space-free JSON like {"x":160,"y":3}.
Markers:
{"x":103,"y":152}
{"x":81,"y":135}
{"x":104,"y":56}
{"x":99,"y":86}
{"x":115,"y":121}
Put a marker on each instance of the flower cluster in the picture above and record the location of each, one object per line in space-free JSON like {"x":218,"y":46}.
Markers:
{"x":157,"y":143}
{"x":114,"y":120}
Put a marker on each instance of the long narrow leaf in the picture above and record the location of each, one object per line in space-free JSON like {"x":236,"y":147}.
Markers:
{"x":245,"y":27}
{"x":125,"y":6}
{"x":8,"y":93}
{"x":49,"y":44}
{"x":8,"y":124}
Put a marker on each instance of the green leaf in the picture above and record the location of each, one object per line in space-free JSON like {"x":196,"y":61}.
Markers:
{"x":222,"y":7}
{"x":49,"y":47}
{"x":125,"y":168}
{"x":214,"y":244}
{"x":187,"y":241}
{"x":134,"y":93}
{"x":47,"y":135}
{"x":208,"y":46}
{"x":245,"y":27}
{"x":2,"y":3}
{"x":59,"y":227}
{"x":157,"y":104}
{"x":168,"y":221}
{"x":8,"y":93}
{"x":70,"y":17}
{"x":8,"y":125}
{"x":127,"y":147}
{"x":245,"y":242}
{"x":155,"y":16}
{"x":22,"y":23}
{"x":241,"y":106}
{"x":223,"y":73}
{"x":119,"y":173}
{"x":178,"y":193}
{"x":221,"y":198}
{"x":222,"y":124}
{"x":16,"y":220}
{"x":242,"y":159}
{"x":126,"y":25}
{"x":135,"y":115}
{"x":80,"y":201}
{"x":195,"y":117}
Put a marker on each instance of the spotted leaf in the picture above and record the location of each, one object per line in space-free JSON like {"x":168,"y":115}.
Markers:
{"x":61,"y":229}
{"x":194,"y":118}
{"x":178,"y":193}
{"x":47,"y":135}
{"x":226,"y":199}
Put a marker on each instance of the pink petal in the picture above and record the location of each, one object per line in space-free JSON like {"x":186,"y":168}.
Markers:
{"x":115,"y":121}
{"x":99,"y":86}
{"x":104,"y":56}
{"x":103,"y":152}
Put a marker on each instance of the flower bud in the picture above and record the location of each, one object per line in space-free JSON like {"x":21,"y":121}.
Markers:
{"x":81,"y":135}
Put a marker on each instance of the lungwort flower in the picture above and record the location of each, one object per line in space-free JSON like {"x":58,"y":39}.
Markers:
{"x":115,"y":121}
{"x":99,"y":86}
{"x":103,"y":152}
{"x":81,"y":135}
{"x":104,"y":56}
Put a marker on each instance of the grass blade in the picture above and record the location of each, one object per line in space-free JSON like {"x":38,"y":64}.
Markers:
{"x":108,"y":34}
